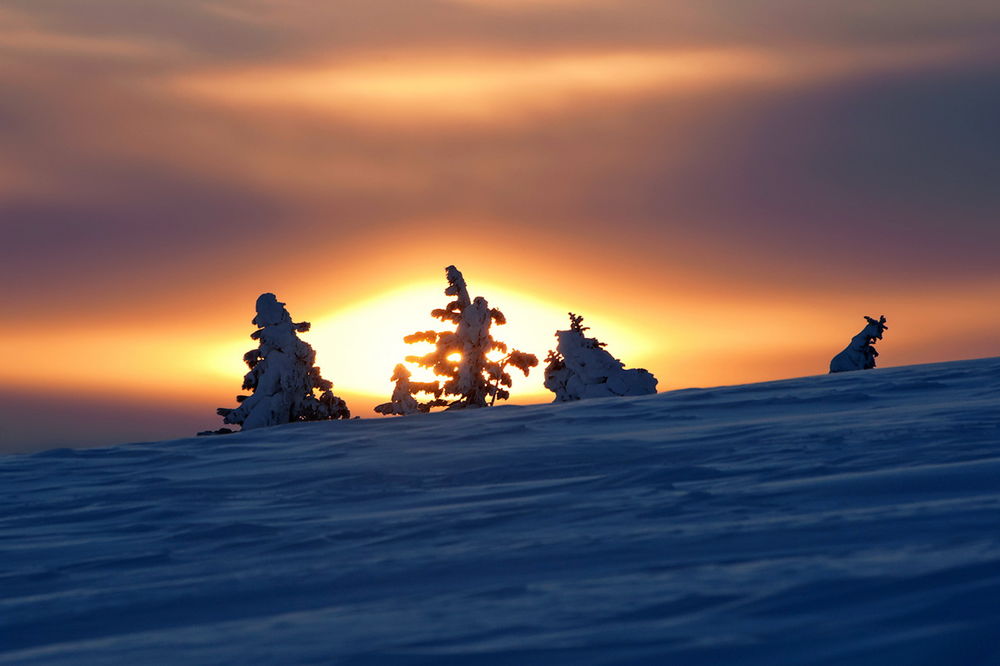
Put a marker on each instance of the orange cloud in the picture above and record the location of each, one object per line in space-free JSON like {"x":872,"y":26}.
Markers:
{"x":406,"y":87}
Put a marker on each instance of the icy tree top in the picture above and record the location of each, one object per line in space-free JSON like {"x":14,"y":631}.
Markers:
{"x":576,"y":324}
{"x":456,"y":286}
{"x":876,"y":328}
{"x":275,"y":326}
{"x":270,"y":311}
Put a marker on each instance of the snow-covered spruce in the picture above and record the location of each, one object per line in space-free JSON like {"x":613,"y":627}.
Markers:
{"x":581,"y":368}
{"x":403,"y":402}
{"x":283,"y":376}
{"x":860,"y":353}
{"x":469,"y":377}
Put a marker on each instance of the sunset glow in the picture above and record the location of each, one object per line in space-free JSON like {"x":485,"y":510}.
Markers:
{"x":723,"y":195}
{"x":359,"y":345}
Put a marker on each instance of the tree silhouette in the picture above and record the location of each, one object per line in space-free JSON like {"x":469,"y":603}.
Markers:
{"x":860,"y":353}
{"x":469,"y":377}
{"x":580,"y":368}
{"x":283,"y":377}
{"x":403,"y":402}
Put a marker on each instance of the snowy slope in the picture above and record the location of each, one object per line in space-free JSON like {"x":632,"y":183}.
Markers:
{"x":845,"y":519}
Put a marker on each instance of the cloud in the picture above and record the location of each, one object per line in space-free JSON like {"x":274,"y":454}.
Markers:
{"x":409,"y":88}
{"x":23,"y":35}
{"x":533,"y":5}
{"x":412,"y":88}
{"x":37,"y":41}
{"x":260,"y":31}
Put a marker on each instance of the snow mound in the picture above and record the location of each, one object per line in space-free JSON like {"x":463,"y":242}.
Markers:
{"x":839,"y":519}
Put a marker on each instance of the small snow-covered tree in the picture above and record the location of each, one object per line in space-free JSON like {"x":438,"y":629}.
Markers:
{"x":403,"y":402}
{"x":581,"y":368}
{"x":286,"y":385}
{"x":469,"y":377}
{"x":860,"y":353}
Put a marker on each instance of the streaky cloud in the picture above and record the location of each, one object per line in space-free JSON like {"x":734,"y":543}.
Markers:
{"x":403,"y":88}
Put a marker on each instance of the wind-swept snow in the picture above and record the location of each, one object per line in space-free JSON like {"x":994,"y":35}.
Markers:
{"x":840,"y":519}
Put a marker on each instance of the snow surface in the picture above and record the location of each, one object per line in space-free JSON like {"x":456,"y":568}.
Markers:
{"x":841,"y":519}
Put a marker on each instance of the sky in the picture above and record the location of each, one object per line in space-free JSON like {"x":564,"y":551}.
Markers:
{"x":722,"y":188}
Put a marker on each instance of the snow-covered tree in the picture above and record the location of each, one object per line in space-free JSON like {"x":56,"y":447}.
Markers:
{"x":469,"y":377}
{"x":581,"y":368}
{"x":403,"y":402}
{"x":286,"y":385}
{"x":860,"y":353}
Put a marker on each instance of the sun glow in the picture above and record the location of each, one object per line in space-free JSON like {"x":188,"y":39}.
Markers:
{"x":357,"y":347}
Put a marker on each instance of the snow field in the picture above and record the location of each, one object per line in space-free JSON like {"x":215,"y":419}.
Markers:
{"x":850,"y":518}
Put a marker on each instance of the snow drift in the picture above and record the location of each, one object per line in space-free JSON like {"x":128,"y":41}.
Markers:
{"x":847,"y":518}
